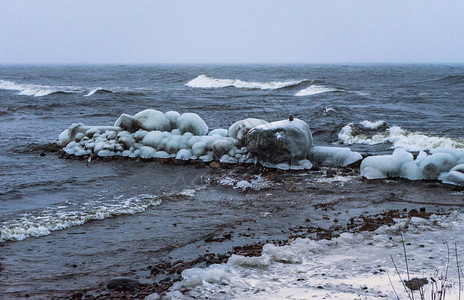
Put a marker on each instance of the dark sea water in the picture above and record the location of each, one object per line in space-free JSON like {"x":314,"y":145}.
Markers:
{"x":59,"y":217}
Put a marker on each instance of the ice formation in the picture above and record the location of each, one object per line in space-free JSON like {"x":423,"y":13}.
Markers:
{"x":334,"y":156}
{"x":286,"y":141}
{"x":442,"y":164}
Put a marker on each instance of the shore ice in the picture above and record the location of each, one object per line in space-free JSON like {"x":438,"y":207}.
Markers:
{"x":352,"y":266}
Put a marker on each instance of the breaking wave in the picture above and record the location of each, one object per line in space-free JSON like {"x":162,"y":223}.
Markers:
{"x":205,"y":81}
{"x":70,"y":215}
{"x":37,"y":90}
{"x":316,"y":89}
{"x":379,"y":132}
{"x":98,"y":90}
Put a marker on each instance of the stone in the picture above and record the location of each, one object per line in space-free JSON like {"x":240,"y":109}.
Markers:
{"x":240,"y":129}
{"x":124,"y":283}
{"x":128,"y":123}
{"x":280,"y":142}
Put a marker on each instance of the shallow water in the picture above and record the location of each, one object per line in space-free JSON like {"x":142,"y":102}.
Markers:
{"x":39,"y":194}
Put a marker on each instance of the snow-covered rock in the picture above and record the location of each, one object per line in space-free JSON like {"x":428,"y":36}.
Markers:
{"x":150,"y":119}
{"x":280,"y":142}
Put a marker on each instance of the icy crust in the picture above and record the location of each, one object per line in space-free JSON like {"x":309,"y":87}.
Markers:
{"x":378,"y":132}
{"x":442,"y":164}
{"x":332,"y":156}
{"x":352,"y":266}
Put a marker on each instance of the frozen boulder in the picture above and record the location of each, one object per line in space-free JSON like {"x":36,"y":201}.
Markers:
{"x":411,"y":171}
{"x":287,"y":141}
{"x":153,"y":139}
{"x":437,"y":163}
{"x":126,"y":139}
{"x":334,"y":156}
{"x":150,"y":119}
{"x":239,"y":129}
{"x":220,"y":131}
{"x":184,"y":154}
{"x":191,"y":122}
{"x":147,"y":152}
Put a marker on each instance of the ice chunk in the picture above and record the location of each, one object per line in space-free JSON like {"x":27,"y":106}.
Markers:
{"x":173,"y":117}
{"x":150,"y":119}
{"x":126,"y":139}
{"x":221,"y":147}
{"x":239,"y":129}
{"x":286,"y":141}
{"x":411,"y":171}
{"x":459,"y":168}
{"x":127,"y":122}
{"x":140,"y":134}
{"x":153,"y":139}
{"x":457,"y":153}
{"x":383,"y":166}
{"x":147,"y":152}
{"x":219,"y":131}
{"x":305,"y":164}
{"x":161,"y":154}
{"x":454,"y":177}
{"x":437,"y":163}
{"x":184,"y":154}
{"x":105,"y":153}
{"x":249,"y":262}
{"x":175,"y":143}
{"x":191,"y":122}
{"x":334,"y":156}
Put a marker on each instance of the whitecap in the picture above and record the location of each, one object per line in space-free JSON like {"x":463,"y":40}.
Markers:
{"x":205,"y":81}
{"x":315,"y":89}
{"x":36,"y":90}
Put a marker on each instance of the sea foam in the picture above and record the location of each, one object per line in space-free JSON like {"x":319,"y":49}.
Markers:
{"x":371,"y":133}
{"x":314,"y":90}
{"x":37,"y":90}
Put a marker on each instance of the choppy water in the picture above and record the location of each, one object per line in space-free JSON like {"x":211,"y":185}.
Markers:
{"x":42,"y":194}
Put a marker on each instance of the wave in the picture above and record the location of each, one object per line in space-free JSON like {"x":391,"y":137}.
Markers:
{"x":205,"y":81}
{"x":379,"y":132}
{"x":70,"y":215}
{"x":316,"y":89}
{"x":37,"y":90}
{"x":98,"y":90}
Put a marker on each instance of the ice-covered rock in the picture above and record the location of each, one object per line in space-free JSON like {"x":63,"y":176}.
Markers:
{"x":221,"y":147}
{"x":153,"y":139}
{"x":147,"y":152}
{"x":150,"y":119}
{"x":126,"y":139}
{"x":191,"y":122}
{"x":454,"y":177}
{"x":69,"y":134}
{"x":127,"y":122}
{"x":280,"y":142}
{"x":333,"y":156}
{"x":411,"y":171}
{"x":239,"y":129}
{"x":184,"y":154}
{"x":220,"y":131}
{"x":437,"y":163}
{"x":384,"y":166}
{"x":173,"y":117}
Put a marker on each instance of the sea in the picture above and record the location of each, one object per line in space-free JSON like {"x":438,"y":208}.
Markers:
{"x":72,"y":224}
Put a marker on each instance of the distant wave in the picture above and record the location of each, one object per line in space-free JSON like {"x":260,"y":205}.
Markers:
{"x":316,"y":89}
{"x":378,"y":132}
{"x":37,"y":90}
{"x":205,"y":81}
{"x":98,"y":91}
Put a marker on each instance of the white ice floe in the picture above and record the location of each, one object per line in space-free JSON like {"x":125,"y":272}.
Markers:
{"x":205,"y":81}
{"x":371,"y":133}
{"x":352,"y":266}
{"x":314,"y":90}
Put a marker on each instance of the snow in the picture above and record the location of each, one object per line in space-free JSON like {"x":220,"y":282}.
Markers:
{"x":334,"y":156}
{"x":352,"y":266}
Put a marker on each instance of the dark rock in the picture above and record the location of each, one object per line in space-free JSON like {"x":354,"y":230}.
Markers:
{"x":215,"y":165}
{"x":42,"y":154}
{"x":332,"y":171}
{"x":123,"y":283}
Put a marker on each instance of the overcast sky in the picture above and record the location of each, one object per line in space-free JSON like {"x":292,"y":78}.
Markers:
{"x":216,"y":31}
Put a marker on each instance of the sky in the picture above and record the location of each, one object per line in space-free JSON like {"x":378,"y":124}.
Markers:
{"x":261,"y":31}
